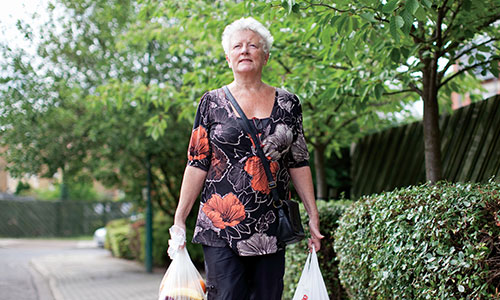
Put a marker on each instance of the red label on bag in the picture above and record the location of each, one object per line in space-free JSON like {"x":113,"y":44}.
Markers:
{"x":305,"y":297}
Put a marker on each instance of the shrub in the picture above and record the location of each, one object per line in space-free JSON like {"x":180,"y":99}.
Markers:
{"x":117,"y":238}
{"x":296,"y":254}
{"x":127,"y":239}
{"x":425,"y":242}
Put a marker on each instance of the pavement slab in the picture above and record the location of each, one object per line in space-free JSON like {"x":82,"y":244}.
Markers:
{"x":97,"y":276}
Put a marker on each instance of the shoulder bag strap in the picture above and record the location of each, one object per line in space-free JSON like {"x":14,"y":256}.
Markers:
{"x":251,"y":130}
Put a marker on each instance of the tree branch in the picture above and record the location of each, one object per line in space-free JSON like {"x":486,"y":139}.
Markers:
{"x":453,"y":60}
{"x":325,"y":5}
{"x":287,"y":69}
{"x":453,"y":17}
{"x":465,"y":70}
{"x":399,"y":92}
{"x":349,"y":121}
{"x":439,"y":30}
{"x":336,"y":109}
{"x":416,"y":89}
{"x":487,"y":23}
{"x":472,"y":48}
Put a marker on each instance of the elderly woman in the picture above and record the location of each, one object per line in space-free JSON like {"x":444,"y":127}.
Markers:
{"x":237,"y":223}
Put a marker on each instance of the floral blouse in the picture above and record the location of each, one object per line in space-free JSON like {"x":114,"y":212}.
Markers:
{"x":236,"y":204}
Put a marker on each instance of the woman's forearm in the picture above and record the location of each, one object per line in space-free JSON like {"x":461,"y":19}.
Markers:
{"x":302,"y":181}
{"x":192,"y":182}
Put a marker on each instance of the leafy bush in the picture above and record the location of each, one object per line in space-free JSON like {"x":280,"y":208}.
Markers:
{"x":135,"y":235}
{"x":425,"y":242}
{"x":21,"y":187}
{"x":296,"y":254}
{"x":117,"y":238}
{"x":79,"y":191}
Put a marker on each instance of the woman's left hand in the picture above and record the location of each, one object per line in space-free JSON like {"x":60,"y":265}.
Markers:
{"x":316,"y":235}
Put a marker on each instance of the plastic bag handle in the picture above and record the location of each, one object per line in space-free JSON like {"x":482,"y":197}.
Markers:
{"x":177,"y":240}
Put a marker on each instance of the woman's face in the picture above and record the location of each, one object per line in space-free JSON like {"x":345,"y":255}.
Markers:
{"x":246,"y":52}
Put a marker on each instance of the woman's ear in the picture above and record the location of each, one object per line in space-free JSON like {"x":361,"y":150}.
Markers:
{"x":228,"y":62}
{"x":266,"y":58}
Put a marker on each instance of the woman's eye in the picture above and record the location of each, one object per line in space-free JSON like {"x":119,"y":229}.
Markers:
{"x":253,"y":45}
{"x":236,"y":46}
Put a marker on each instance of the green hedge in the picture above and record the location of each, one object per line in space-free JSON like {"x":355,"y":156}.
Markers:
{"x":126,"y":239}
{"x":117,"y":238}
{"x":425,"y":242}
{"x":329,"y":213}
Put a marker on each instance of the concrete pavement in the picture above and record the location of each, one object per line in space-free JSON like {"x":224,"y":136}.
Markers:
{"x":87,"y":273}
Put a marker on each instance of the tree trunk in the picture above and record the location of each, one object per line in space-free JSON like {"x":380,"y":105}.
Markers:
{"x":432,"y":138}
{"x":319,"y":167}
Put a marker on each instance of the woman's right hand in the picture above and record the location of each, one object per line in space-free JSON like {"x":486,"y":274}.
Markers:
{"x":177,"y":239}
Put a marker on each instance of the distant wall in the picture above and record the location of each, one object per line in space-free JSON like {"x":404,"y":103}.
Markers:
{"x":30,"y":218}
{"x":470,"y":145}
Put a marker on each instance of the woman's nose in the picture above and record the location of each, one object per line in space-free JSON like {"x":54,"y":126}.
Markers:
{"x":244,"y":48}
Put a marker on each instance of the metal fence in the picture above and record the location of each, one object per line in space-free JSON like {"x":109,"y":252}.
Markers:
{"x":32,"y":218}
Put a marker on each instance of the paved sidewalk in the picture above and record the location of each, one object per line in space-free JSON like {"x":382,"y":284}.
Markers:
{"x":97,"y":276}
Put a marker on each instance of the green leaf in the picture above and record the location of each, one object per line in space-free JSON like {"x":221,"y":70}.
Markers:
{"x":369,"y":16}
{"x":420,"y":14}
{"x":467,"y":5}
{"x":427,"y":3}
{"x":393,"y":27}
{"x":412,"y":6}
{"x":309,"y":34}
{"x":341,"y":22}
{"x":350,"y":50}
{"x":390,"y":6}
{"x":395,"y":55}
{"x":484,"y":48}
{"x":379,"y":90}
{"x":399,"y":21}
{"x":494,"y":69}
{"x":408,"y":21}
{"x":405,"y":52}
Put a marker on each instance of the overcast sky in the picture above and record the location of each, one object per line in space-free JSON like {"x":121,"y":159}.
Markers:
{"x":13,"y":10}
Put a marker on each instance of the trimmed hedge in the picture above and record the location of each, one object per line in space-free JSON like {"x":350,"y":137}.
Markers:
{"x":425,"y":242}
{"x":296,"y":254}
{"x":126,"y":239}
{"x":117,"y":238}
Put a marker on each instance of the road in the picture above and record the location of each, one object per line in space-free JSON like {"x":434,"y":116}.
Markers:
{"x":18,"y":279}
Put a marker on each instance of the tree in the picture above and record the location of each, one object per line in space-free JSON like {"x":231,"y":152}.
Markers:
{"x":87,"y":100}
{"x":342,"y":99}
{"x":294,"y":65}
{"x":42,"y":132}
{"x":414,"y":42}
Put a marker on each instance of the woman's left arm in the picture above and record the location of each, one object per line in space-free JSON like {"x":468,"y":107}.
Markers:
{"x":302,"y":181}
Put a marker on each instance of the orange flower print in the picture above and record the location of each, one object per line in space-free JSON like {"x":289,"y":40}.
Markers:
{"x":224,"y":211}
{"x":253,"y":166}
{"x":198,"y":145}
{"x":219,"y":164}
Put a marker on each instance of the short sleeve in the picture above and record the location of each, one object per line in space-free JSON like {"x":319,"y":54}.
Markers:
{"x":299,"y":155}
{"x":199,"y":150}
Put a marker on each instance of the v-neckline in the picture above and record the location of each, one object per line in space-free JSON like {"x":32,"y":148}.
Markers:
{"x":239,"y":117}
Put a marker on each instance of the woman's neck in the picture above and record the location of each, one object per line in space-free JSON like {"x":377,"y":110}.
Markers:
{"x":247,"y":83}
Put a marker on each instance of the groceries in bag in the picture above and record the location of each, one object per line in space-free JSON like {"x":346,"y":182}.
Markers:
{"x":181,"y":281}
{"x":311,"y":285}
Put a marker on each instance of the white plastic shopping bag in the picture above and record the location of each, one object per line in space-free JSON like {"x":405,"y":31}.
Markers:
{"x":311,"y":285}
{"x":181,"y":281}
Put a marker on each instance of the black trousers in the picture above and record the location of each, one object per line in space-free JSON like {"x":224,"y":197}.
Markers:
{"x":234,"y":277}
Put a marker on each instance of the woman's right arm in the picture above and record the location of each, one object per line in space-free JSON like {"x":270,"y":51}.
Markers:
{"x":192,"y":182}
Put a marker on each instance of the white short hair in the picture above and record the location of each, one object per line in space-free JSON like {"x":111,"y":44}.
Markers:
{"x":247,"y":24}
